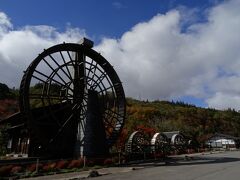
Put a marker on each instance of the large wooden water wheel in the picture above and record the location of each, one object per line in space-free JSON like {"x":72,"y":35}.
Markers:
{"x":64,"y":87}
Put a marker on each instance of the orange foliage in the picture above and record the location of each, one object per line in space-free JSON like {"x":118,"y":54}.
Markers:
{"x":146,"y":130}
{"x":8,"y":107}
{"x":78,"y":163}
{"x":61,"y":164}
{"x":122,"y":139}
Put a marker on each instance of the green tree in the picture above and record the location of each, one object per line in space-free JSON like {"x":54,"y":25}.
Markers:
{"x":6,"y":93}
{"x":4,"y":137}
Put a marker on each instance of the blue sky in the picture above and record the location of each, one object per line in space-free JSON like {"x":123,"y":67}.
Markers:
{"x":98,"y":18}
{"x":161,"y":49}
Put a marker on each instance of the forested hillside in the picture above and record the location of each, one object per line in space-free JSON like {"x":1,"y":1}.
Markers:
{"x":8,"y":101}
{"x":196,"y":123}
{"x":157,"y":116}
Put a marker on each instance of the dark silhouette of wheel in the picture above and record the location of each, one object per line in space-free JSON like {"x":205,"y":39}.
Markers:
{"x":54,"y":95}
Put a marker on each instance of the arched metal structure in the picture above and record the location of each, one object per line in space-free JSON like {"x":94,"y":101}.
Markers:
{"x":136,"y":143}
{"x":178,"y":139}
{"x":67,"y":92}
{"x":178,"y":142}
{"x":159,"y":143}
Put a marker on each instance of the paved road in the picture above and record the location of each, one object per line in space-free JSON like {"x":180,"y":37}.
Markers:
{"x":221,"y":166}
{"x":217,"y":166}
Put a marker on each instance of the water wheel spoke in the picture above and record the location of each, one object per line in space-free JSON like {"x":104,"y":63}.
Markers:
{"x":63,"y":95}
{"x":44,"y":96}
{"x":90,"y":68}
{"x":106,"y":89}
{"x":55,"y":71}
{"x":61,"y":128}
{"x":66,"y":66}
{"x":70,"y":58}
{"x":59,"y":66}
{"x":99,"y":81}
{"x":49,"y":78}
{"x":115,"y":113}
{"x":94,"y":72}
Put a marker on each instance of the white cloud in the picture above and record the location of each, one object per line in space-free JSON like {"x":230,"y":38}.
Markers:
{"x":157,"y":60}
{"x":19,"y":47}
{"x":221,"y":100}
{"x":5,"y":23}
{"x":118,"y":5}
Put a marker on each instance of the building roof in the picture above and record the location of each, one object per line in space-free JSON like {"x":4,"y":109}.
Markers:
{"x":169,"y":134}
{"x":13,"y":119}
{"x":225,"y":136}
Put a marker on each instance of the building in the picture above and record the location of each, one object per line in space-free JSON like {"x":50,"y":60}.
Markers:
{"x":223,"y":141}
{"x":18,"y":142}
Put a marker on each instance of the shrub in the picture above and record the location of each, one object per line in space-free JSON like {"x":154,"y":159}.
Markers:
{"x":49,"y":166}
{"x":90,"y":163}
{"x":52,"y":165}
{"x":16,"y":169}
{"x":5,"y":170}
{"x":108,"y":162}
{"x":115,"y":159}
{"x":61,"y":164}
{"x":190,"y":151}
{"x":159,"y":155}
{"x":32,"y":167}
{"x":202,"y":150}
{"x":76,"y":164}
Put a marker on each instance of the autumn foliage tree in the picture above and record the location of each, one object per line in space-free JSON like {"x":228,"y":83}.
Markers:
{"x":195,"y":122}
{"x":8,"y":107}
{"x":8,"y":102}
